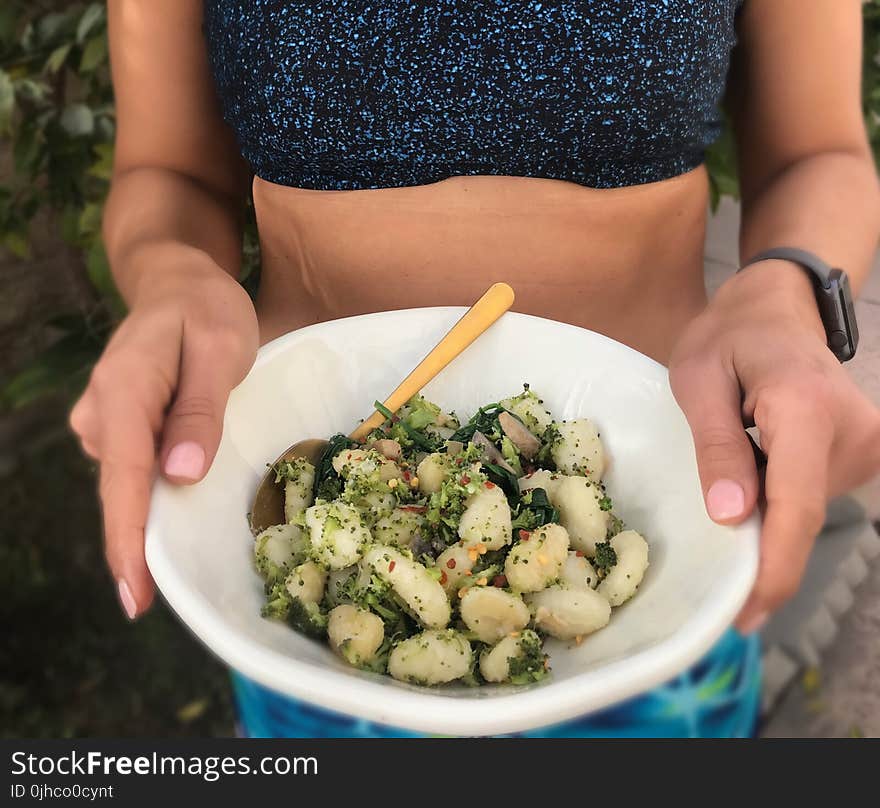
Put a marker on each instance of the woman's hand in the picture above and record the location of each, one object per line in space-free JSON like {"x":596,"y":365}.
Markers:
{"x":757,"y":355}
{"x":159,"y":392}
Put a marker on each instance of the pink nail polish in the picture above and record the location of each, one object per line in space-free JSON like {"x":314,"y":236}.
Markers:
{"x":756,"y":623}
{"x":186,"y":460}
{"x":127,"y":599}
{"x":725,"y":500}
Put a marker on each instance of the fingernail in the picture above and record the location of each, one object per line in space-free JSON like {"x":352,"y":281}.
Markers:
{"x":754,"y":623}
{"x":725,"y":500}
{"x":127,"y":599}
{"x":186,"y":460}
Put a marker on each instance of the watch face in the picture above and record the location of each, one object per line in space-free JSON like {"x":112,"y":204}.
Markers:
{"x":839,"y":316}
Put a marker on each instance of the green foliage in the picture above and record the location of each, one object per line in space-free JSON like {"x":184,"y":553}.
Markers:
{"x":57,"y":118}
{"x":721,"y":164}
{"x":871,"y":74}
{"x":56,"y":107}
{"x":57,"y":114}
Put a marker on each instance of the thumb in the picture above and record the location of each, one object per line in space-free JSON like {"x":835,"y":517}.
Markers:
{"x":710,"y":398}
{"x":194,"y":423}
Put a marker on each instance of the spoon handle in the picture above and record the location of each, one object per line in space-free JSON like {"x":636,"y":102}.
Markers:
{"x":497,"y":300}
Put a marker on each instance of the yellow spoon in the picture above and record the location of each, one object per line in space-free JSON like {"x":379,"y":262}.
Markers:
{"x":268,"y":505}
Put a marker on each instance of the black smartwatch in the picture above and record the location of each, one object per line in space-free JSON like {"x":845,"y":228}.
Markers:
{"x":833,"y":297}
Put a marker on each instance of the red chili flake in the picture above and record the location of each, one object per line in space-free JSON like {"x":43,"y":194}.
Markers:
{"x":499,"y":580}
{"x":348,"y":456}
{"x":579,"y":553}
{"x":414,"y":508}
{"x":524,"y":535}
{"x":407,"y":476}
{"x":395,"y":419}
{"x":451,"y":563}
{"x":459,"y":461}
{"x":488,"y":484}
{"x":391,"y":566}
{"x":443,"y":577}
{"x":465,"y":479}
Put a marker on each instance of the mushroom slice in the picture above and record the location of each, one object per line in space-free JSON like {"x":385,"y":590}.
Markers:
{"x":524,"y":440}
{"x":490,"y":453}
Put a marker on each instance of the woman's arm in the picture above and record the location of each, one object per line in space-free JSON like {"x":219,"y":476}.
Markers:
{"x":758,"y":354}
{"x":172,"y":233}
{"x":806,"y":170}
{"x":178,"y":178}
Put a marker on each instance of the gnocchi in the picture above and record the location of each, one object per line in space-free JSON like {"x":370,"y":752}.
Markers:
{"x":579,"y":502}
{"x":300,"y":480}
{"x":435,"y":552}
{"x":422,"y":593}
{"x":537,"y":558}
{"x":455,"y":564}
{"x":567,"y":613}
{"x":365,"y":463}
{"x":622,"y":581}
{"x":530,"y":410}
{"x":431,"y":472}
{"x":518,"y":658}
{"x":278,"y":548}
{"x":306,"y":582}
{"x":400,"y":528}
{"x":337,"y":535}
{"x":431,"y":658}
{"x":578,"y":572}
{"x":578,"y":450}
{"x":538,"y":479}
{"x":486,"y":519}
{"x":491,"y":613}
{"x":356,"y":634}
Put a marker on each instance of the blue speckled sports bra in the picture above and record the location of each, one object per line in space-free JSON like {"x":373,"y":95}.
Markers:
{"x":352,"y":94}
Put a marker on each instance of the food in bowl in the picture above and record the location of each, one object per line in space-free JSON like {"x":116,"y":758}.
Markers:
{"x":435,"y":552}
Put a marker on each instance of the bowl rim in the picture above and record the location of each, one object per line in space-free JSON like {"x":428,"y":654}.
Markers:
{"x":382,"y":700}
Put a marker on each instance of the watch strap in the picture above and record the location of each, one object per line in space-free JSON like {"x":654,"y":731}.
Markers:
{"x":833,"y":297}
{"x":807,"y":260}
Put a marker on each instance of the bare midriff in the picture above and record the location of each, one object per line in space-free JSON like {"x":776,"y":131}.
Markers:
{"x":627,"y":262}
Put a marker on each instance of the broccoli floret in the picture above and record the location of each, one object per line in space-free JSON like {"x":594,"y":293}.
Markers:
{"x":605,"y":558}
{"x":329,"y":489}
{"x":378,"y":663}
{"x":292,"y":469}
{"x":403,"y":431}
{"x":615,"y":526}
{"x":420,"y":412}
{"x":549,"y":440}
{"x":530,"y":663}
{"x":307,"y":618}
{"x":511,"y":455}
{"x":271,"y":571}
{"x":278,"y":600}
{"x":377,"y":596}
{"x":446,"y":506}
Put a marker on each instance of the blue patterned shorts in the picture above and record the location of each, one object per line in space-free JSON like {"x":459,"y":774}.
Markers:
{"x":719,"y":697}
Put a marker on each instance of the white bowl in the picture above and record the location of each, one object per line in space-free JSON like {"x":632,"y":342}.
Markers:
{"x":321,"y":380}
